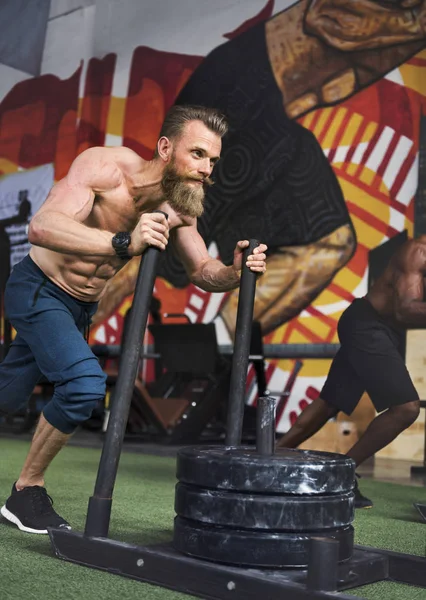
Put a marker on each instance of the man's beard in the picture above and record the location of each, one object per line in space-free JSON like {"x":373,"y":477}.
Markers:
{"x":185,"y":199}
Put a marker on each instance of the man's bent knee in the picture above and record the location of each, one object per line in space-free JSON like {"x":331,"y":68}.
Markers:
{"x":328,"y":410}
{"x":406,"y":413}
{"x":74,"y":402}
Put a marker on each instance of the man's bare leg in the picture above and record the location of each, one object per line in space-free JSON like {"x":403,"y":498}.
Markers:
{"x":308,"y":422}
{"x":47,"y":442}
{"x":383,"y":430}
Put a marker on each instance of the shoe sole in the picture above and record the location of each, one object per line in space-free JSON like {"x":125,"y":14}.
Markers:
{"x":13,"y":519}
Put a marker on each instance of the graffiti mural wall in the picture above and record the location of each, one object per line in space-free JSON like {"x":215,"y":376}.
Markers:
{"x":321,"y":162}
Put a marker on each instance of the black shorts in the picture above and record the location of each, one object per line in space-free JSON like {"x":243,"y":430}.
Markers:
{"x":370,"y":360}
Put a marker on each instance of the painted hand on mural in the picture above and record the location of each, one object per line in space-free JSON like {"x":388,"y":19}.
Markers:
{"x":366,"y":24}
{"x":292,"y":279}
{"x":317,"y":48}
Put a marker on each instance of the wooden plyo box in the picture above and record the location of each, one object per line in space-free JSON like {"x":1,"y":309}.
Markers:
{"x":409,"y":445}
{"x":340,"y":434}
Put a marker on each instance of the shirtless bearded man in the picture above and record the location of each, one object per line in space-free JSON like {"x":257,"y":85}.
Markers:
{"x":371,"y":332}
{"x":93,"y":221}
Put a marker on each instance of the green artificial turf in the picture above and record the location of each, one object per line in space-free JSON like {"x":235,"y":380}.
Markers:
{"x":143,"y":513}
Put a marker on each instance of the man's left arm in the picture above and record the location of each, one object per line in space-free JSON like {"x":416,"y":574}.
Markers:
{"x":209,"y":273}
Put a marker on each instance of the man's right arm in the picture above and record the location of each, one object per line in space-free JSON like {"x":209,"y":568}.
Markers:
{"x":409,"y":304}
{"x":59,"y":224}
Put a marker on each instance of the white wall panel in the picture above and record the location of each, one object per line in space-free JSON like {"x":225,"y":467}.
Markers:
{"x":184,"y":26}
{"x":68,"y":41}
{"x":60,"y":7}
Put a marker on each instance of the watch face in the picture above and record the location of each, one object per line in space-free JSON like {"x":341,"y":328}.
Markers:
{"x":121,"y":239}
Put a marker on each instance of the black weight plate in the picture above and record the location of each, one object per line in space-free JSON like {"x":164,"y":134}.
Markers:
{"x":258,"y":511}
{"x":251,"y":548}
{"x":285,"y":472}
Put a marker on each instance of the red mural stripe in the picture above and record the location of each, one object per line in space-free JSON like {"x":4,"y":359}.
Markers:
{"x":289,"y":330}
{"x":326,"y":125}
{"x":314,"y":121}
{"x":402,"y":175}
{"x":370,"y":147}
{"x":387,"y":157}
{"x":399,"y":207}
{"x":319,"y":315}
{"x":270,"y":369}
{"x":339,"y":291}
{"x":370,"y":219}
{"x":96,"y":101}
{"x":310,"y":335}
{"x":161,"y":75}
{"x":355,"y":143}
{"x":416,"y":61}
{"x":358,"y":262}
{"x":329,"y":338}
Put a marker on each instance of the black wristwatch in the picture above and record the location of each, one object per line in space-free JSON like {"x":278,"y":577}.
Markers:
{"x":120,"y":243}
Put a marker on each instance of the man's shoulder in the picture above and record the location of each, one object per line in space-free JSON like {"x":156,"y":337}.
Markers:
{"x":112,"y":153}
{"x":101,"y":166}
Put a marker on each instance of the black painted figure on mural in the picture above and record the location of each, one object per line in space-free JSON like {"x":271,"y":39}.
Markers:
{"x":273,"y":181}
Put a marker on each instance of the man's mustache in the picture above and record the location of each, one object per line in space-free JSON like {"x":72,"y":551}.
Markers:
{"x":206,"y":180}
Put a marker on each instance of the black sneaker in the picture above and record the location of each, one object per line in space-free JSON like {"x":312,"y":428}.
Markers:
{"x":360,"y":500}
{"x":31,"y":510}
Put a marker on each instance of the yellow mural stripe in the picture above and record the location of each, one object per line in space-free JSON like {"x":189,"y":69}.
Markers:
{"x":326,"y":297}
{"x":296,"y":337}
{"x":414,"y":77}
{"x":352,"y":169}
{"x":126,"y":304}
{"x":347,"y":279}
{"x":367,"y":176}
{"x":383,"y":189}
{"x":370,"y":130}
{"x":328,"y":140}
{"x":367,"y":235}
{"x":316,"y":368}
{"x":316,"y":326}
{"x":7,"y":166}
{"x":325,"y":113}
{"x":307,"y":121}
{"x":409,"y":226}
{"x":351,"y":129}
{"x":366,"y":201}
{"x":116,"y":113}
{"x":278,"y":334}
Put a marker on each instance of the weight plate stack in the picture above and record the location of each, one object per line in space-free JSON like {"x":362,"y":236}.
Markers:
{"x":242,"y":508}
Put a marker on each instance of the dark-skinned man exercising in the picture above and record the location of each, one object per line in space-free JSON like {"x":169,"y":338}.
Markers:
{"x":371,"y":333}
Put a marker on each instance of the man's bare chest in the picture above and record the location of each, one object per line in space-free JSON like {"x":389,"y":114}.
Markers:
{"x":114,"y":211}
